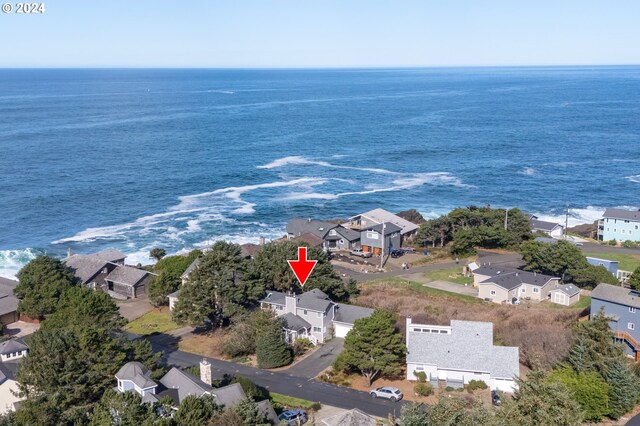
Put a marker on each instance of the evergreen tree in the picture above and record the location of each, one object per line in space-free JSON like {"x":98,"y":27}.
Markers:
{"x":120,"y":408}
{"x":196,"y":411}
{"x":634,"y":279}
{"x":453,"y":411}
{"x":588,"y":389}
{"x":42,"y":282}
{"x":162,"y":286}
{"x":624,"y":390}
{"x":217,"y":290}
{"x":247,"y":410}
{"x":271,"y":349}
{"x":413,"y":415}
{"x":270,"y":270}
{"x":538,"y":401}
{"x":157,"y":253}
{"x":373,"y":347}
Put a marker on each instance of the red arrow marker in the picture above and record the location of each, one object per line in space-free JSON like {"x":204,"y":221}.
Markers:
{"x":302,"y":267}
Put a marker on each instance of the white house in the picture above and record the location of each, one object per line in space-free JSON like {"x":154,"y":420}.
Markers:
{"x":506,"y":285}
{"x":11,"y":353}
{"x":459,"y":353}
{"x":550,"y":228}
{"x":312,"y":314}
{"x":565,"y":295}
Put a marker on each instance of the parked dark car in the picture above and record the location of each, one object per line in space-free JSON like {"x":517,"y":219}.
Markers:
{"x":395,"y":253}
{"x":293,"y":416}
{"x":495,"y":398}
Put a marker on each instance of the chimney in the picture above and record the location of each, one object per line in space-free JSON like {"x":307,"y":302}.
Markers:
{"x":69,"y":252}
{"x":291,"y":303}
{"x":261,"y":241}
{"x":408,"y":325}
{"x":205,"y":371}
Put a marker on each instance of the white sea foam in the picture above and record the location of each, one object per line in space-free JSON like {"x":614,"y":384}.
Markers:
{"x":634,"y":178}
{"x":298,"y":160}
{"x":579,"y":216}
{"x":11,"y":261}
{"x":528,"y":171}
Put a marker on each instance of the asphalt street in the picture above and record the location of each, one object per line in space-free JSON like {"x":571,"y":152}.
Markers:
{"x":283,"y":382}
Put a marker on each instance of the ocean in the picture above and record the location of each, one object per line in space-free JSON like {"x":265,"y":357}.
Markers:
{"x":134,"y":159}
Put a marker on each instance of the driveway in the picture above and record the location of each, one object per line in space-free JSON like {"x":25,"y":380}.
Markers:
{"x":285,"y":383}
{"x":318,"y":361}
{"x":134,"y":308}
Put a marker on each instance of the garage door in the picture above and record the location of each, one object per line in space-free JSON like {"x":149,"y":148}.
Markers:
{"x":341,"y":329}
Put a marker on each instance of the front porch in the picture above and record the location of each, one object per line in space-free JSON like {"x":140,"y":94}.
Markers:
{"x":292,"y":335}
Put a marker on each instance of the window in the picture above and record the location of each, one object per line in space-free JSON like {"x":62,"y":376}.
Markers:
{"x":319,"y":314}
{"x":632,"y":310}
{"x":636,"y":226}
{"x":631,"y":326}
{"x":317,"y":329}
{"x":332,"y":232}
{"x":419,"y":367}
{"x":493,"y":292}
{"x":536,"y":290}
{"x":615,"y":230}
{"x":607,"y":229}
{"x":523,"y":289}
{"x":278,"y":307}
{"x":304,"y":312}
{"x":626,"y":221}
{"x":341,"y":241}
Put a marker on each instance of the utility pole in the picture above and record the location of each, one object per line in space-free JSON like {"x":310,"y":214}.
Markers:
{"x":566,"y":220}
{"x":506,"y":218}
{"x":382,"y":252}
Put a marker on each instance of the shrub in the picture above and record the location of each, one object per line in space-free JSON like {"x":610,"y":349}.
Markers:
{"x":239,"y":340}
{"x":476,"y":384}
{"x":423,"y":389}
{"x":272,"y":351}
{"x":421,"y":376}
{"x":630,"y":244}
{"x":301,"y":345}
{"x":612,"y":242}
{"x":449,"y":389}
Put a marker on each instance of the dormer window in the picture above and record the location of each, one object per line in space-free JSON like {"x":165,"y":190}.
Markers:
{"x":332,"y":232}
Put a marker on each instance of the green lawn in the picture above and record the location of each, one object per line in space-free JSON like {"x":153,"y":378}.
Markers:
{"x":419,"y":287}
{"x":584,"y":302}
{"x":627,"y":262}
{"x":288,"y":401}
{"x":155,"y":321}
{"x":453,"y":275}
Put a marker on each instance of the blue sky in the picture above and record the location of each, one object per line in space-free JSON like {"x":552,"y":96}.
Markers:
{"x":322,"y":33}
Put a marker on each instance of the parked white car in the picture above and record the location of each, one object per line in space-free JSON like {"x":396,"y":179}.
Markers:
{"x":388,"y":392}
{"x":361,"y":253}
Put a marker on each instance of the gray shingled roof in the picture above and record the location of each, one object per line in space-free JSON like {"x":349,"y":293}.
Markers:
{"x":389,"y":228}
{"x":616,"y":294}
{"x":469,"y":347}
{"x":9,"y":369}
{"x":381,"y":215}
{"x":184,"y":383}
{"x":622,"y":214}
{"x":127,"y":275}
{"x":86,"y":266}
{"x":543,"y":225}
{"x":515,"y":278}
{"x":353,"y":417}
{"x":275,"y":297}
{"x":309,"y":238}
{"x":137,"y":373}
{"x":229,"y":395}
{"x":348,"y":234}
{"x":266,"y":408}
{"x":350,"y":313}
{"x":11,"y":346}
{"x":294,"y":322}
{"x":8,"y":302}
{"x":190,"y":268}
{"x":298,"y":226}
{"x":314,"y":300}
{"x":570,"y":290}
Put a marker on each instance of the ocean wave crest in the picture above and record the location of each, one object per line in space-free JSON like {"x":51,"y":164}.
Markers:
{"x":11,"y":261}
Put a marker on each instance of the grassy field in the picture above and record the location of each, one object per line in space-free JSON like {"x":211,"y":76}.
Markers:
{"x":420,"y":288}
{"x":289,"y":401}
{"x":156,"y":321}
{"x":627,"y":262}
{"x":453,"y":275}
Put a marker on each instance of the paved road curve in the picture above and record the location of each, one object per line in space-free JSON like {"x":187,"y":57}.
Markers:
{"x":284,"y":383}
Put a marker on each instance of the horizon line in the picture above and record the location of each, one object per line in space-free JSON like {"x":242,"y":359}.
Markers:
{"x":364,"y":67}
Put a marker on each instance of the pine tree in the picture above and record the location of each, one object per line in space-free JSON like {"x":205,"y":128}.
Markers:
{"x":271,"y":349}
{"x":248,"y":411}
{"x":196,"y":411}
{"x":624,"y":392}
{"x":634,"y":279}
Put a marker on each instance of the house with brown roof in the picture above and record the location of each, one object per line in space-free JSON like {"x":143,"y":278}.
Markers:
{"x":8,"y":302}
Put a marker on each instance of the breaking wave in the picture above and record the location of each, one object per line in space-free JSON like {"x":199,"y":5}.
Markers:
{"x":12,"y":260}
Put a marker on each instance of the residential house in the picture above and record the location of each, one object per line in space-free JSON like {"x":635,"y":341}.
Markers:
{"x":378,"y":217}
{"x":566,"y":295}
{"x":8,"y":302}
{"x":609,"y":265}
{"x":11,"y":353}
{"x":185,"y":275}
{"x":506,"y":285}
{"x":107,"y":271}
{"x":352,"y":417}
{"x":378,"y":238}
{"x":329,"y":236}
{"x":312,"y":314}
{"x":459,"y":353}
{"x":550,"y":228}
{"x":622,"y":307}
{"x":619,"y":225}
{"x":178,"y":385}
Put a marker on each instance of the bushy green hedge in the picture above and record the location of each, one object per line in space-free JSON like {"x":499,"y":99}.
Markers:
{"x":476,"y":384}
{"x":423,"y":389}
